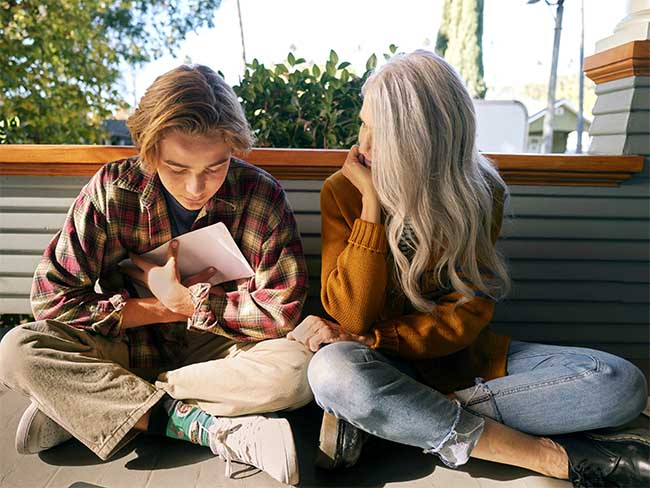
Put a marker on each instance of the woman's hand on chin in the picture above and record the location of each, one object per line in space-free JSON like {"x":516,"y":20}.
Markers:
{"x":358,"y":174}
{"x":315,"y":332}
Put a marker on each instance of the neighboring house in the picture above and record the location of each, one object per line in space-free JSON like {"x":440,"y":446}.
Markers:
{"x":564,"y":122}
{"x":117,"y":134}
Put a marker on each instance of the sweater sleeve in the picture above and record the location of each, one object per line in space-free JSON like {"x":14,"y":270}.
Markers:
{"x":450,"y":328}
{"x":354,"y":268}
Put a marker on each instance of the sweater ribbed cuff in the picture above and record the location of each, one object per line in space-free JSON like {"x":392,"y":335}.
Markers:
{"x":386,"y":338}
{"x":369,"y":235}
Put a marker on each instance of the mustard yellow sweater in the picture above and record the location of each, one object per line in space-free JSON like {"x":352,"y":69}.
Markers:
{"x":449,"y":347}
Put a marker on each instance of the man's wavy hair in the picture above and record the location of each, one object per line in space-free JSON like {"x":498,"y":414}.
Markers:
{"x":439,"y":193}
{"x":191,"y":99}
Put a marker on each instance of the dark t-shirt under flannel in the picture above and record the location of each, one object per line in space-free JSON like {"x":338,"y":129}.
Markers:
{"x":181,"y":219}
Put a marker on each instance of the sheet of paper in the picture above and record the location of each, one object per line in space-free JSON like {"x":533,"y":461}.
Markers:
{"x":202,"y":248}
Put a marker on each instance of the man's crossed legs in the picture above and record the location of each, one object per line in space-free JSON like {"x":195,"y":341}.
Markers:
{"x":82,"y":382}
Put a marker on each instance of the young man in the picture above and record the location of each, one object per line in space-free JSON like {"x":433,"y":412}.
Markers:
{"x":195,"y":361}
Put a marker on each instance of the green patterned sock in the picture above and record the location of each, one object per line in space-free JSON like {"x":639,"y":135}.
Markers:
{"x":185,"y":423}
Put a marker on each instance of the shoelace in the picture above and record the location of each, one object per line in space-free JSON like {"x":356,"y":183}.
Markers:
{"x":218,"y":437}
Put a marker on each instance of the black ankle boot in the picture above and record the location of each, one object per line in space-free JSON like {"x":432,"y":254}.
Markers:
{"x":340,"y":443}
{"x":605,"y":461}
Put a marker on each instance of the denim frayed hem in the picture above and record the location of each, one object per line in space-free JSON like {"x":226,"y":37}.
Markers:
{"x":455,"y":448}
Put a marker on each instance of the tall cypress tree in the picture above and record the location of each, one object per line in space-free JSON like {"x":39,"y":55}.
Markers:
{"x":460,"y":41}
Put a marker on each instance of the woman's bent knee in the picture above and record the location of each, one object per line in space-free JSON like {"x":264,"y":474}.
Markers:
{"x":624,"y":390}
{"x":334,"y":371}
{"x":632,"y":390}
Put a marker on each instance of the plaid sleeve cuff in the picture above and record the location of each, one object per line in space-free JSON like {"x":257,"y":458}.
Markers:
{"x":106,"y":315}
{"x":203,"y":316}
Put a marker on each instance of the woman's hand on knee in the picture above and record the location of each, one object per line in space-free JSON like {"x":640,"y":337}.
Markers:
{"x":315,"y":332}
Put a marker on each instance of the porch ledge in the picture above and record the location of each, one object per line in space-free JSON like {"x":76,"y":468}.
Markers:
{"x":630,"y":59}
{"x":318,"y":164}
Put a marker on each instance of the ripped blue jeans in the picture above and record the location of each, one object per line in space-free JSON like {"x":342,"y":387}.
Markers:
{"x":548,"y":390}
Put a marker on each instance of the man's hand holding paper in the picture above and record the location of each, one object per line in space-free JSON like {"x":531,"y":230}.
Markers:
{"x":206,"y":255}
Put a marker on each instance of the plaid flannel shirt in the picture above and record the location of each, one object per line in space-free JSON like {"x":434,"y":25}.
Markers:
{"x":122,"y":210}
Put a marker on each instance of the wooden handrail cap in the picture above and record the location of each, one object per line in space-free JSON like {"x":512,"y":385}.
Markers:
{"x":630,"y":59}
{"x":318,"y":164}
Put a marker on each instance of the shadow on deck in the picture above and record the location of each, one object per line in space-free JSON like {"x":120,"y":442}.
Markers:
{"x":150,"y":462}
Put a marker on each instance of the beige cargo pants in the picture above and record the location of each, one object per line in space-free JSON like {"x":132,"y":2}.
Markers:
{"x":84,"y":383}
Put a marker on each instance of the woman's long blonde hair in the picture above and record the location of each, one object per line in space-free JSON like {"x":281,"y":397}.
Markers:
{"x":432,"y":181}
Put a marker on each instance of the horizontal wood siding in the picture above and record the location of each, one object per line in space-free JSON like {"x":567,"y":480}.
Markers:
{"x":579,"y":257}
{"x":32,"y":209}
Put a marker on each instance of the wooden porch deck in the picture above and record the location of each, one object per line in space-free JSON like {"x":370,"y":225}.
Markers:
{"x":150,"y":462}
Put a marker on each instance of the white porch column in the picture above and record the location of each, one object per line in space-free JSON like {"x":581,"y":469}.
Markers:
{"x":635,"y":26}
{"x":621,"y":70}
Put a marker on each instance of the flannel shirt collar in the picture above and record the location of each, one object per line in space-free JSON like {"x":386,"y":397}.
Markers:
{"x":149,"y":186}
{"x":137,"y":180}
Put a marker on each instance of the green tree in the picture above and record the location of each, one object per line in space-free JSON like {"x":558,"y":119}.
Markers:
{"x":460,"y":41}
{"x":62,"y":60}
{"x":8,"y":128}
{"x":567,"y":87}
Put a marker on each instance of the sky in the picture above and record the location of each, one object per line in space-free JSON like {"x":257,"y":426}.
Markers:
{"x":517,"y":38}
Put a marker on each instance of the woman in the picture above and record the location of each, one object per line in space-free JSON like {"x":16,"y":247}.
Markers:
{"x":410,"y":273}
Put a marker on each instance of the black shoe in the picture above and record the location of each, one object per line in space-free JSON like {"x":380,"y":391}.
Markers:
{"x":638,"y":434}
{"x":340,"y":443}
{"x":606,"y":462}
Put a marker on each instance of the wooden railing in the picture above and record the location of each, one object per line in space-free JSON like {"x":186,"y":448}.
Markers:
{"x":316,"y":164}
{"x":629,"y":59}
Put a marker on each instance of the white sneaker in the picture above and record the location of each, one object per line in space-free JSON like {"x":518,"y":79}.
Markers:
{"x":263,"y":441}
{"x":37,"y":432}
